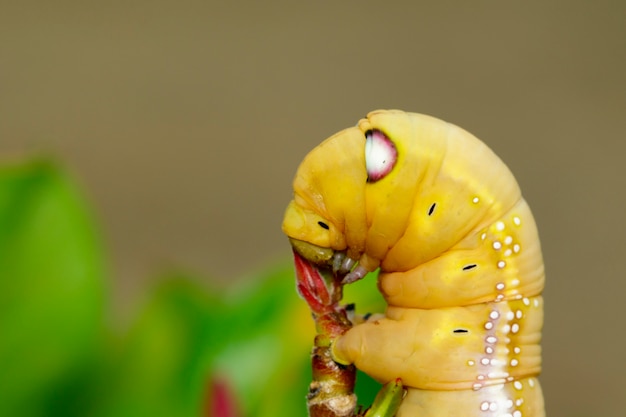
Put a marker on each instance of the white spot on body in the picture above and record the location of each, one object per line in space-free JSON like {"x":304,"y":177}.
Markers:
{"x":517,"y":385}
{"x":491,"y":339}
{"x":497,"y":245}
{"x":489,"y":325}
{"x":500,"y":286}
{"x":514,"y":362}
{"x":471,"y":362}
{"x":500,"y":226}
{"x":508,"y":240}
{"x":501,"y":264}
{"x":517,"y":221}
{"x":494,"y":315}
{"x":516,"y":248}
{"x":475,"y":200}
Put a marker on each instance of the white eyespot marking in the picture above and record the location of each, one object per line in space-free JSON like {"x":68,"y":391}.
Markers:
{"x":514,"y":362}
{"x":517,"y":350}
{"x":471,"y":363}
{"x":517,"y":385}
{"x":500,"y":226}
{"x":489,"y":325}
{"x":484,"y":406}
{"x":497,"y":245}
{"x":501,"y":264}
{"x":381,"y":155}
{"x":517,"y":221}
{"x":475,"y":200}
{"x":517,"y":413}
{"x":508,"y":240}
{"x":516,"y":248}
{"x":500,"y":286}
{"x":494,"y":315}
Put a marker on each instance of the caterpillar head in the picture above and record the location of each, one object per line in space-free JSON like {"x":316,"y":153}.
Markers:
{"x":326,"y":221}
{"x":395,"y":191}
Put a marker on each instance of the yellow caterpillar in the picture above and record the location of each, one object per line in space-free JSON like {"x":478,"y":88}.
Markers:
{"x":459,"y":256}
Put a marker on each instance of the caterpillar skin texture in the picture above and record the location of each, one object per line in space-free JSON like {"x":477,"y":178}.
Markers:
{"x":459,"y":256}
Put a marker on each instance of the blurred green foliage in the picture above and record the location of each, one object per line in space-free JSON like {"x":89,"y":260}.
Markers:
{"x":58,"y":357}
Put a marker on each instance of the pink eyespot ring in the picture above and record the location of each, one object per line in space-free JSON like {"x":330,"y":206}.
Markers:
{"x":381,"y":155}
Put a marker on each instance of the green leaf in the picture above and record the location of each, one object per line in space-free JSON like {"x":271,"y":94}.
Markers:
{"x":51,"y":287}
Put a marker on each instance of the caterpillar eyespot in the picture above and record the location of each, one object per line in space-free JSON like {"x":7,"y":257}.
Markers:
{"x":444,"y":221}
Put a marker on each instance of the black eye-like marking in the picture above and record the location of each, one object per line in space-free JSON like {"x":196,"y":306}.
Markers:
{"x":460,"y":331}
{"x":432,"y":209}
{"x":323,"y":225}
{"x":468,"y":267}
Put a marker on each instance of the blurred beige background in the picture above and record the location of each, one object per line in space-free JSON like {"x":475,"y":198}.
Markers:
{"x":185,"y":122}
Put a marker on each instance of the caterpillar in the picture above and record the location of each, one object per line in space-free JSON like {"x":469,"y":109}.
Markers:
{"x":460,"y":266}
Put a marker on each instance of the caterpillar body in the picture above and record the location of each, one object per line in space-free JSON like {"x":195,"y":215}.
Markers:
{"x":460,"y":262}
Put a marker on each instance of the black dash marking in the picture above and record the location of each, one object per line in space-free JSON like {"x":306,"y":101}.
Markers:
{"x":431,"y":209}
{"x":324,"y":225}
{"x":367,"y":316}
{"x":468,"y":267}
{"x":460,"y":331}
